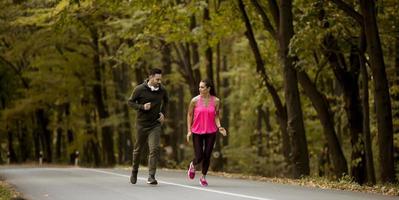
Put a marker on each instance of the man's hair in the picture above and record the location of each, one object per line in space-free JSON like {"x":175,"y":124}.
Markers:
{"x":154,"y":71}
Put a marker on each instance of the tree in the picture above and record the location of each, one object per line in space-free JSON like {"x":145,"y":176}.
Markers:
{"x":382,"y":100}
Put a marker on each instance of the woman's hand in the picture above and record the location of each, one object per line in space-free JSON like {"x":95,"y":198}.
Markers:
{"x":188,"y":136}
{"x":222,"y":131}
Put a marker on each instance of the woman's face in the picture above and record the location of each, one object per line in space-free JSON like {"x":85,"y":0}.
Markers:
{"x":203,"y":89}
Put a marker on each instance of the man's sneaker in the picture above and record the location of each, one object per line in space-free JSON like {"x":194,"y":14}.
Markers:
{"x":151,"y":180}
{"x":133,"y":178}
{"x":203,"y":182}
{"x":191,"y":171}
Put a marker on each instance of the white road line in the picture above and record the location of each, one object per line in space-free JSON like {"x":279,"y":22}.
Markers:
{"x":185,"y":186}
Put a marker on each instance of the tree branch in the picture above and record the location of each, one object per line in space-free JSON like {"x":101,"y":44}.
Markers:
{"x":266,"y":22}
{"x":16,"y":70}
{"x":349,"y":10}
{"x":273,"y":6}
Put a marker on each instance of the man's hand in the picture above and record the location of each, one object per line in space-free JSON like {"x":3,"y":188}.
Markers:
{"x":147,"y":106}
{"x":161,"y":118}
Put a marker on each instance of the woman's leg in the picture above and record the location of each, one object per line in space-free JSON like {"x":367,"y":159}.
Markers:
{"x":198,"y":143}
{"x":209,"y":143}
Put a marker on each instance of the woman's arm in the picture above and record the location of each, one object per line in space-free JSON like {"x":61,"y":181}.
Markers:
{"x":217,"y":113}
{"x":190,"y":112}
{"x":217,"y":118}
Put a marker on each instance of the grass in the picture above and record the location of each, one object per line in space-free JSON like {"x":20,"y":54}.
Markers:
{"x":345,"y":183}
{"x":7,"y":192}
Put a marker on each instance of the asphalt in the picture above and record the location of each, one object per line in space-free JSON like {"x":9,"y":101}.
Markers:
{"x":54,"y":183}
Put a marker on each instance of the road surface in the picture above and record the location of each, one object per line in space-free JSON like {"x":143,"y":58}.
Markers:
{"x":113,"y":184}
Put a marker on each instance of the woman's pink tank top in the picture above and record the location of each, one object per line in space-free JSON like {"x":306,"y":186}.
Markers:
{"x":204,"y":117}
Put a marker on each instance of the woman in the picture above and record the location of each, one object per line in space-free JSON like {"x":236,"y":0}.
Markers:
{"x":203,"y":123}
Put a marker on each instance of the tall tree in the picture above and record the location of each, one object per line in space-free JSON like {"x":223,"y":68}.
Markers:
{"x":368,"y":20}
{"x":381,"y":89}
{"x":366,"y":110}
{"x":282,"y":15}
{"x":260,"y":68}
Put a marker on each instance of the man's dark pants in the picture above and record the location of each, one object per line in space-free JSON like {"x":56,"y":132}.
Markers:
{"x":151,"y":134}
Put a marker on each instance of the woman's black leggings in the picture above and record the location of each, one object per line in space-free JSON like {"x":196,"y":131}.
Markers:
{"x":203,"y":146}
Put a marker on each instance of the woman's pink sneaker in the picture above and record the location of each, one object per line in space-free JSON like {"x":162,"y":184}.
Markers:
{"x":191,"y":171}
{"x":203,"y":182}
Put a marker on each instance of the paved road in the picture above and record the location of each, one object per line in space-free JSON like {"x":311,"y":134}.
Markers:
{"x":113,"y":184}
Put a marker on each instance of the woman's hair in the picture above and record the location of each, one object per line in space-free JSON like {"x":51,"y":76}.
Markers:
{"x":209,"y":84}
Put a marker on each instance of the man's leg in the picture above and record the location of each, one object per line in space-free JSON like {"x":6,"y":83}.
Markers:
{"x":141,"y":138}
{"x":153,"y":144}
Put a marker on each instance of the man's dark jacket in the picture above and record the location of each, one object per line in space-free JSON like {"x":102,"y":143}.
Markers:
{"x":141,"y":95}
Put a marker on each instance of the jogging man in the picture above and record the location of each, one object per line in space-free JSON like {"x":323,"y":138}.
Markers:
{"x":149,"y":99}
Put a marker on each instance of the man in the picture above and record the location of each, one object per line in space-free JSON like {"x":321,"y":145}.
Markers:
{"x":149,"y":99}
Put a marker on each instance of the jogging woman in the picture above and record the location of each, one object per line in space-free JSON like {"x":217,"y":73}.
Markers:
{"x":203,"y":123}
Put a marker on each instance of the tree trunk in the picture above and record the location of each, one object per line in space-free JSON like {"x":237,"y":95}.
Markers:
{"x":91,"y":151}
{"x":189,"y":64}
{"x":189,"y":57}
{"x":258,"y":134}
{"x":208,"y":51}
{"x":99,"y":97}
{"x":70,"y":138}
{"x":58,"y":145}
{"x":218,"y":69}
{"x":172,"y":135}
{"x":70,"y":135}
{"x":59,"y":135}
{"x":381,"y":91}
{"x":355,"y":118}
{"x":45,"y":138}
{"x":217,"y":164}
{"x":23,"y":140}
{"x":366,"y":111}
{"x":295,"y":126}
{"x":396,"y":96}
{"x":36,"y":138}
{"x":138,"y":72}
{"x":195,"y":59}
{"x":326,"y":117}
{"x":225,"y":106}
{"x":11,"y":151}
{"x":121,"y":81}
{"x":268,"y":126}
{"x":348,"y":81}
{"x":260,"y":68}
{"x":181,"y":119}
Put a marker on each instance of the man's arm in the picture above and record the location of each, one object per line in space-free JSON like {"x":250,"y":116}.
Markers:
{"x":132,"y":101}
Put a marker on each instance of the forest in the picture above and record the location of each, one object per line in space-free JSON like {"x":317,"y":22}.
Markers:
{"x":307,"y":87}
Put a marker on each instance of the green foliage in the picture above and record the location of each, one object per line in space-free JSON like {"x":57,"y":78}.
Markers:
{"x":48,"y":55}
{"x":5,"y":193}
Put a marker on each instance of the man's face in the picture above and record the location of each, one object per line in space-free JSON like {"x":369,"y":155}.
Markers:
{"x":155,"y":80}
